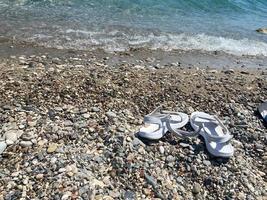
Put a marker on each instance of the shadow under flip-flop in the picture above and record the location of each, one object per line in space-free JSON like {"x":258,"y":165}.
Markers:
{"x":145,"y":140}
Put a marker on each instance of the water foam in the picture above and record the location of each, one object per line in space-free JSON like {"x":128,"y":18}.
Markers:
{"x":121,"y":41}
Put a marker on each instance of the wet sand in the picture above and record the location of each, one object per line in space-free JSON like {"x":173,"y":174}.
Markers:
{"x":158,"y":58}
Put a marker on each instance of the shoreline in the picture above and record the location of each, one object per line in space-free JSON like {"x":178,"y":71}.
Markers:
{"x":69,"y":119}
{"x":157,"y":58}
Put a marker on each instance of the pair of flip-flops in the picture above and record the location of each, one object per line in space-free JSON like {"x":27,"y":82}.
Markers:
{"x":215,"y":134}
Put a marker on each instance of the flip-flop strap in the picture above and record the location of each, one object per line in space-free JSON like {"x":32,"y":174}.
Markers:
{"x":172,"y":113}
{"x":155,"y":120}
{"x":152,"y":120}
{"x":156,"y":111}
{"x":218,"y":139}
{"x":181,"y":133}
{"x":215,"y":120}
{"x":225,"y":129}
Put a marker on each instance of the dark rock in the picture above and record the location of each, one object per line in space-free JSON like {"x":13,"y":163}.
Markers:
{"x":262,"y":30}
{"x":129,"y":195}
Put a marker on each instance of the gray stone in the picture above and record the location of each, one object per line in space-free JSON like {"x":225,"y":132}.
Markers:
{"x":81,"y":124}
{"x":25,"y":143}
{"x":207,"y":162}
{"x":259,"y":146}
{"x":95,"y":109}
{"x":111,"y":114}
{"x":229,"y":71}
{"x":262,"y":30}
{"x":137,"y":142}
{"x":121,"y":129}
{"x":129,"y":195}
{"x":58,"y":109}
{"x":11,"y":135}
{"x":3,"y":146}
{"x":68,"y":123}
{"x":7,"y":107}
{"x":28,"y":136}
{"x":86,"y":115}
{"x":83,"y":110}
{"x":196,"y":188}
{"x":9,"y":142}
{"x":170,"y":158}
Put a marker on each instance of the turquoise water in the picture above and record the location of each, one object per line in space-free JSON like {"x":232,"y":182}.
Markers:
{"x":117,"y":25}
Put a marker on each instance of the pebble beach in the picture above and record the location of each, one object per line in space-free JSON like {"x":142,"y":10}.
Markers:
{"x":68,"y":130}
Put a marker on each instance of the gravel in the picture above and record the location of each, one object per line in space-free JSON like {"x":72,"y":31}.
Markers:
{"x":68,"y":131}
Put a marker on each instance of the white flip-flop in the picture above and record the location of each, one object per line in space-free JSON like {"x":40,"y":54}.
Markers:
{"x":155,"y":123}
{"x":216,"y":135}
{"x":263,"y":111}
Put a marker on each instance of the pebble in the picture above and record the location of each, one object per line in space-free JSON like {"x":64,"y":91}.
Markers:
{"x":111,"y":114}
{"x":184,"y":144}
{"x":121,"y":129}
{"x":150,"y":180}
{"x":3,"y":146}
{"x":66,"y":195}
{"x":9,"y":142}
{"x":25,"y":143}
{"x":11,"y":135}
{"x":129,"y":195}
{"x":170,"y":158}
{"x":207,"y":162}
{"x":68,"y":123}
{"x":196,"y":188}
{"x":39,"y":176}
{"x":86,"y":115}
{"x":161,"y":149}
{"x":52,"y":148}
{"x":32,"y":123}
{"x":95,"y":109}
{"x":137,"y":142}
{"x":58,"y":109}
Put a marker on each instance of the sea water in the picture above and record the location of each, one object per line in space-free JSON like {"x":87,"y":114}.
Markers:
{"x":118,"y":25}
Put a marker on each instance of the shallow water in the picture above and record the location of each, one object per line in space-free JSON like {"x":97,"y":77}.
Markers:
{"x":117,"y":25}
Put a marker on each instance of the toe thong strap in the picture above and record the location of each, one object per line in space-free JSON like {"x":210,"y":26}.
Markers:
{"x":218,"y":139}
{"x":152,"y":120}
{"x":172,"y":113}
{"x":181,"y":133}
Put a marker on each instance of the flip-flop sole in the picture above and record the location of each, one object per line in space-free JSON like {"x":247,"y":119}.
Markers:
{"x":216,"y":149}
